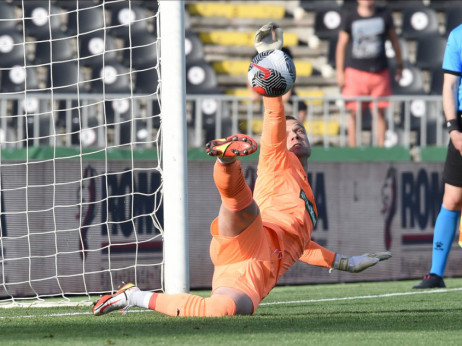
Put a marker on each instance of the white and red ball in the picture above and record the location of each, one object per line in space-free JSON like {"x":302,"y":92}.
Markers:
{"x":271,"y":73}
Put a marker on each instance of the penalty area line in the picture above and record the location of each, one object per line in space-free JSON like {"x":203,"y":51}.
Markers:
{"x":386,"y":295}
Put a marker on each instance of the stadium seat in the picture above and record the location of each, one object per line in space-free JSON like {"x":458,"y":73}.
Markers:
{"x":65,"y":77}
{"x":453,"y":18}
{"x":327,"y":23}
{"x":140,"y":51}
{"x":15,"y":79}
{"x":200,"y":78}
{"x":146,"y":81}
{"x":194,"y":49}
{"x":97,"y":48}
{"x":404,"y":48}
{"x":443,"y":5}
{"x":38,"y":22}
{"x":241,"y":67}
{"x":436,"y":81}
{"x":62,"y":49}
{"x":88,"y":20}
{"x":210,"y":109}
{"x":230,"y":10}
{"x":12,"y":50}
{"x":71,"y":5}
{"x":110,"y":78}
{"x":256,"y":10}
{"x":411,"y":82}
{"x":233,"y":38}
{"x":8,"y":20}
{"x":418,"y":22}
{"x":315,"y":5}
{"x":316,"y":95}
{"x":401,"y":5}
{"x":126,"y":19}
{"x":430,"y":51}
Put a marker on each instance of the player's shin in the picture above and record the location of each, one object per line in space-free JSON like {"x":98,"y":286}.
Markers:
{"x":188,"y":305}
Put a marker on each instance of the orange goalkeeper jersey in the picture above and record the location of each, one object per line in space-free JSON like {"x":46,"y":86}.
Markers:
{"x":284,"y":195}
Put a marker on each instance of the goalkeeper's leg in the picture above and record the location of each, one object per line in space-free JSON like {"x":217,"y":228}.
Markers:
{"x":189,"y":305}
{"x":238,"y":209}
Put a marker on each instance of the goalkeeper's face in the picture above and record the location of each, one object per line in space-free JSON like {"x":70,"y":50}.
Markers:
{"x":297,"y":139}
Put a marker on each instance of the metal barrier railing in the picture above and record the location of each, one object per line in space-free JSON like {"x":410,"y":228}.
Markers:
{"x":412,"y":120}
{"x":68,"y":120}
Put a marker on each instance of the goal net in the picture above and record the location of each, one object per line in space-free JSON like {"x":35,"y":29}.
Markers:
{"x":84,"y":177}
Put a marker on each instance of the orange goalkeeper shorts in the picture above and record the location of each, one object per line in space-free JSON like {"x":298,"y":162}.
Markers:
{"x":248,"y":262}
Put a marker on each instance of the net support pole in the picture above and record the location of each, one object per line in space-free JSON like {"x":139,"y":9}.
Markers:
{"x":174,"y":146}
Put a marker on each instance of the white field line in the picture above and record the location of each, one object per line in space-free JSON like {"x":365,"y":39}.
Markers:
{"x":387,"y":295}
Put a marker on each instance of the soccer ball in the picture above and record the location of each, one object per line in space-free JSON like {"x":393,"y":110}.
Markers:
{"x":271,"y":73}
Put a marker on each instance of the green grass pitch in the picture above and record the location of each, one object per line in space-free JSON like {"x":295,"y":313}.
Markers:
{"x":373,"y":313}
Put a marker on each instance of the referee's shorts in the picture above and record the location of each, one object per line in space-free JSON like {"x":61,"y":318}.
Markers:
{"x":452,"y":173}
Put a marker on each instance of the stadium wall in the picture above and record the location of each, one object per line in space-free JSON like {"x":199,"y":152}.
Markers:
{"x":366,"y":202}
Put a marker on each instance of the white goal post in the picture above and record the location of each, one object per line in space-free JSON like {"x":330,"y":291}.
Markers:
{"x":93,"y":184}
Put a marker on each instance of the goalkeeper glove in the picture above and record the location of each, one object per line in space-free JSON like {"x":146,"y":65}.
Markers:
{"x":357,"y":264}
{"x":264,"y":38}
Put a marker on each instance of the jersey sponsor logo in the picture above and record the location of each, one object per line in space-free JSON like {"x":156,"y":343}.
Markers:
{"x":266,"y":72}
{"x":309,"y":207}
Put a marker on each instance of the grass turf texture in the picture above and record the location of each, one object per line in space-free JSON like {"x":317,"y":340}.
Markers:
{"x":375,"y":313}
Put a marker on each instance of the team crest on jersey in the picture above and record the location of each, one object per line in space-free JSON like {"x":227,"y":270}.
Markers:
{"x":309,"y":207}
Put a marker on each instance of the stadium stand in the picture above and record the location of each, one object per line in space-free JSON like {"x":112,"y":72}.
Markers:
{"x":128,"y":20}
{"x":65,"y":77}
{"x":193,"y":47}
{"x":110,"y":78}
{"x":219,"y":41}
{"x":418,"y":22}
{"x":15,"y":79}
{"x":37,"y":23}
{"x":436,"y":81}
{"x":96,"y":47}
{"x":453,"y":17}
{"x":140,"y":51}
{"x":327,"y":23}
{"x":430,"y":51}
{"x":7,"y":18}
{"x":12,"y":52}
{"x":62,"y":49}
{"x":411,"y":83}
{"x":86,"y":20}
{"x":200,"y":78}
{"x":237,"y":10}
{"x":146,"y":81}
{"x":314,"y":5}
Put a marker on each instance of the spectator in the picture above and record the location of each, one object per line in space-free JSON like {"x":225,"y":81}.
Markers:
{"x":361,"y":62}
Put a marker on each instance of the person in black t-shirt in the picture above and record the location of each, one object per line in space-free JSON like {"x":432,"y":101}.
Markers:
{"x":361,"y":62}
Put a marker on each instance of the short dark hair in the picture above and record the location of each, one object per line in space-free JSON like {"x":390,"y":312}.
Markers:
{"x":291,"y":117}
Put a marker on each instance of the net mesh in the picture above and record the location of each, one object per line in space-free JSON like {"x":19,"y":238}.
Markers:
{"x":80,"y":165}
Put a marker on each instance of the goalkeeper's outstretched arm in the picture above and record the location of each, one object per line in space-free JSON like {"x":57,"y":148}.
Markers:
{"x":317,"y":255}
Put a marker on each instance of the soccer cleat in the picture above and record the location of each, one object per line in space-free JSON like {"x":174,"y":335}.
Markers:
{"x":431,"y":281}
{"x":116,"y":301}
{"x":233,"y":146}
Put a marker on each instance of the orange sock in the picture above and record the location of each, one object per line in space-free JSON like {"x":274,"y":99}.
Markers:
{"x":188,"y":305}
{"x":234,"y":191}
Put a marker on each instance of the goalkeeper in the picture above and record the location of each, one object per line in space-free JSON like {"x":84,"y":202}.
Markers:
{"x":255,"y":239}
